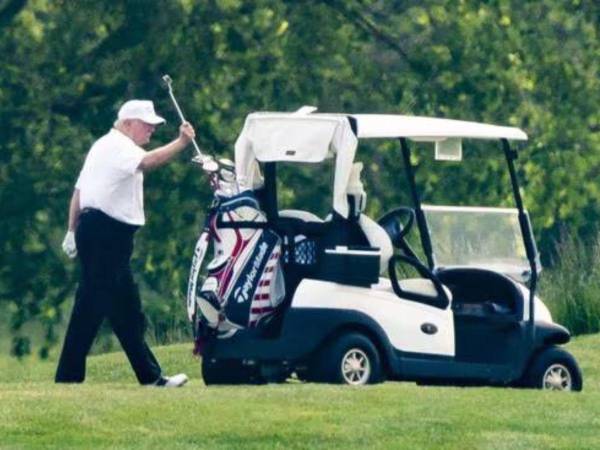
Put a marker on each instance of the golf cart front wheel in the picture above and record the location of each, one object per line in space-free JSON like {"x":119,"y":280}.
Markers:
{"x":555,"y":369}
{"x":350,"y":359}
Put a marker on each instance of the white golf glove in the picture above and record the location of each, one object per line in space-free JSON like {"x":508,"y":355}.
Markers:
{"x":69,"y":246}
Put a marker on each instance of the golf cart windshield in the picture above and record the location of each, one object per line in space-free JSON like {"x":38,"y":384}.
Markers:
{"x":487,"y":238}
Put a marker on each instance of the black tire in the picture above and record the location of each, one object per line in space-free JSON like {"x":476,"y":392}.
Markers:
{"x":215,"y":372}
{"x":274,"y":372}
{"x":554,"y":369}
{"x":334,"y":363}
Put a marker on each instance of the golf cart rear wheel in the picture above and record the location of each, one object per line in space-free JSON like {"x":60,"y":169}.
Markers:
{"x":554,"y":369}
{"x":349,"y":359}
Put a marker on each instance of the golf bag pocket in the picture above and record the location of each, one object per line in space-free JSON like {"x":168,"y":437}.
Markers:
{"x":258,"y":284}
{"x":209,"y":304}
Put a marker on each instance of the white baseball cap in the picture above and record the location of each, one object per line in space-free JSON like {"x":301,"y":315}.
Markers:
{"x":140,"y":109}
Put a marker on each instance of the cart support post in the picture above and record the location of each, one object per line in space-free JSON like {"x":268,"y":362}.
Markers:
{"x":525,"y":225}
{"x":420,"y":216}
{"x":270,"y":192}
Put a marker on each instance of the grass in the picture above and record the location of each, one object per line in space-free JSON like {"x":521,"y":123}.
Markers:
{"x":570,"y":288}
{"x":111,"y":411}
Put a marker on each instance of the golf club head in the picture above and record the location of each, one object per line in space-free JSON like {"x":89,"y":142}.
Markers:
{"x":207,"y":162}
{"x":227,"y":170}
{"x":210,"y":165}
{"x":226,"y":164}
{"x":227,"y":175}
{"x":167,"y":80}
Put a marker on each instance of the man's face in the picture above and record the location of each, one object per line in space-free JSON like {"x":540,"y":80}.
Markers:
{"x":140,"y":132}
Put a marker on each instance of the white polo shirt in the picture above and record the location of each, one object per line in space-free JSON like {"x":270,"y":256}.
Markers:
{"x":109,"y":180}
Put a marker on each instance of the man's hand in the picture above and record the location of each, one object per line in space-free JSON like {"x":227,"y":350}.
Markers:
{"x":186,"y":133}
{"x":159,"y":156}
{"x":69,"y":246}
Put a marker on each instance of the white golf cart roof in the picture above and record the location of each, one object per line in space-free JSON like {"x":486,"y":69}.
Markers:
{"x":429,"y":129}
{"x":310,"y":138}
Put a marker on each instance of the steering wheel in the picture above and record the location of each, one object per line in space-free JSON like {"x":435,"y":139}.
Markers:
{"x":397,"y":223}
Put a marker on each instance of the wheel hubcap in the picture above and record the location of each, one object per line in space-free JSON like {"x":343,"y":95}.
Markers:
{"x":356,"y":367}
{"x":557,"y":378}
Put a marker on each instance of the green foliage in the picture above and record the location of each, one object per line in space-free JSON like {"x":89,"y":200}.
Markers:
{"x":571,"y":287}
{"x":66,"y":67}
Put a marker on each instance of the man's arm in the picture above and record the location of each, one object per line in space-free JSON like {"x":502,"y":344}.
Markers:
{"x":74,"y":210}
{"x":161,"y":155}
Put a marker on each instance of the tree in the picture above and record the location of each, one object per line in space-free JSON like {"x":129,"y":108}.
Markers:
{"x":67,"y":66}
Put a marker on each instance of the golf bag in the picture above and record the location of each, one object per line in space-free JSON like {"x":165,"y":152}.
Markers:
{"x":244,"y":282}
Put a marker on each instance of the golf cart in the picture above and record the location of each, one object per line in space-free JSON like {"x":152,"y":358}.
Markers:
{"x":468,"y":314}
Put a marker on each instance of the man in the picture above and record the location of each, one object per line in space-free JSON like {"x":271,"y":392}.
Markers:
{"x":106,"y":209}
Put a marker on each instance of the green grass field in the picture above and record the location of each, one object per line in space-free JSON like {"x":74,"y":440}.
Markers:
{"x":111,"y":411}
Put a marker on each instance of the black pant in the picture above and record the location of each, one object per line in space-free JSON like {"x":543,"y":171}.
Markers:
{"x":106,"y":289}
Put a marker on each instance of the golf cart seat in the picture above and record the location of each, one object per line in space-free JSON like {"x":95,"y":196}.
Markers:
{"x":482,"y":293}
{"x":377,"y":238}
{"x":372,"y":234}
{"x":299,"y":214}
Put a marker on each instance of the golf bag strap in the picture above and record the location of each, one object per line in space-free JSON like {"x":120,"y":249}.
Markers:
{"x":248,"y":224}
{"x":237,"y":202}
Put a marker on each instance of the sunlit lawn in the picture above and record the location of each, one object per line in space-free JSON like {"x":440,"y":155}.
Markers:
{"x":111,"y":411}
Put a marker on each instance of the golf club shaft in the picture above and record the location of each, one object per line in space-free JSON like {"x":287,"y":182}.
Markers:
{"x":180,"y":113}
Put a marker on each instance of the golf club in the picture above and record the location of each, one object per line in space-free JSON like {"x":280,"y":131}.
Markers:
{"x":207,"y":162}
